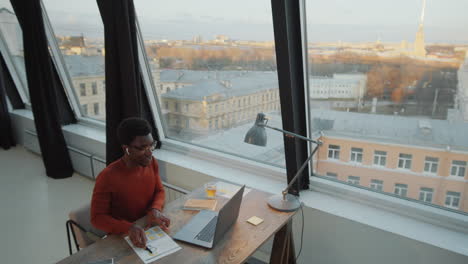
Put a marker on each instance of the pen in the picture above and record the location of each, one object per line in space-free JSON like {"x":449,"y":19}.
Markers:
{"x":149,"y":250}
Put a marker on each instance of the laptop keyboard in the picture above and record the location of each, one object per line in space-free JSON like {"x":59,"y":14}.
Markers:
{"x":207,"y":232}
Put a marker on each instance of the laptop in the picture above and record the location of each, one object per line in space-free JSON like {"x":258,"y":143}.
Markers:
{"x":208,"y":227}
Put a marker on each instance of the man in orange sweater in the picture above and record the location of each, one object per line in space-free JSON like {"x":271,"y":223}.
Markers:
{"x":130,"y":187}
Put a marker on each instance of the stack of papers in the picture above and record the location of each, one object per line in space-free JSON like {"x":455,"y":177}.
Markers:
{"x":158,"y":242}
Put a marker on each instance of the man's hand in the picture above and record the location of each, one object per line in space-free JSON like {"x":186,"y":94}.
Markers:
{"x":155,"y":217}
{"x":137,"y":236}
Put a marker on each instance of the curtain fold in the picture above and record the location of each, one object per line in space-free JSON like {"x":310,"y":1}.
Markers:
{"x":125,"y":94}
{"x":43,"y":87}
{"x":288,"y":45}
{"x":6,"y":133}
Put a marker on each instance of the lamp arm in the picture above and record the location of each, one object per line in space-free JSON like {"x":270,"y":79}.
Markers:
{"x":285,"y":191}
{"x":292,"y":134}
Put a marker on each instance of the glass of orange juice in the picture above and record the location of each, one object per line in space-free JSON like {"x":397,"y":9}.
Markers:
{"x":210,"y":189}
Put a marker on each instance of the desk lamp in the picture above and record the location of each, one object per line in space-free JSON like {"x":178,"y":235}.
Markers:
{"x":257,"y":136}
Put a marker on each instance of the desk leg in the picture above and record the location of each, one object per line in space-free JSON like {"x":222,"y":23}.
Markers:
{"x":283,"y":251}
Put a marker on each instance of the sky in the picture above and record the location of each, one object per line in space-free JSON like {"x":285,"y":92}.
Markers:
{"x":327,"y":20}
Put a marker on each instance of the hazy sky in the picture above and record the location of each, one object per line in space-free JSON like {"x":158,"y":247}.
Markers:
{"x":328,"y":20}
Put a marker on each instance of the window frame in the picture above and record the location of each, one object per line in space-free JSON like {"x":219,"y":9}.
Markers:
{"x":21,"y":87}
{"x":405,"y":161}
{"x":452,"y":195}
{"x":376,"y":184}
{"x":354,"y":180}
{"x":431,"y":164}
{"x":64,"y":75}
{"x":425,"y":192}
{"x":399,"y":188}
{"x":334,"y":151}
{"x":355,"y":155}
{"x":380,"y":157}
{"x":458,"y":168}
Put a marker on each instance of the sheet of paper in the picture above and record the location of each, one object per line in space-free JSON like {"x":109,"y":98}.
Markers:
{"x":158,"y":242}
{"x":228,"y":190}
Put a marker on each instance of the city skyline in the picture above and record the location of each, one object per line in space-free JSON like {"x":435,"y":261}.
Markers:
{"x":338,"y":20}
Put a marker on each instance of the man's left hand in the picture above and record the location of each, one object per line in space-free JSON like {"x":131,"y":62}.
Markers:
{"x":155,"y":217}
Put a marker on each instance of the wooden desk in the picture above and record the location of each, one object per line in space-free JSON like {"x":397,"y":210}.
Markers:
{"x":237,"y":245}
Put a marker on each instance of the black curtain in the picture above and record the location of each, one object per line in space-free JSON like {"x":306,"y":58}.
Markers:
{"x":288,"y":45}
{"x":43,"y":87}
{"x":6,"y":133}
{"x":125,"y":94}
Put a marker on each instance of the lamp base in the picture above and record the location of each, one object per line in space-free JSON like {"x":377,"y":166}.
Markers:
{"x":290,"y":204}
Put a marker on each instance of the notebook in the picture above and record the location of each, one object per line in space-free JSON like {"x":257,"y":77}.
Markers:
{"x":200,"y":204}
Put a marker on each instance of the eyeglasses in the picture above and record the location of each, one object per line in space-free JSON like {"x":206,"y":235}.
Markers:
{"x":151,"y":147}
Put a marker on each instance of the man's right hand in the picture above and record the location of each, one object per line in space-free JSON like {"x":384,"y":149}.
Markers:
{"x":137,"y":236}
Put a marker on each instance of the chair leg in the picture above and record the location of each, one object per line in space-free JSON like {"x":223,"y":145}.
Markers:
{"x":70,"y":227}
{"x":67,"y":225}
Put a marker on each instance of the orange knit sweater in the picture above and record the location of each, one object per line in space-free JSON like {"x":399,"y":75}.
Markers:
{"x":122,"y":195}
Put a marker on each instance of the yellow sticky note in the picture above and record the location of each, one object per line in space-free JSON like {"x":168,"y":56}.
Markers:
{"x":255,"y":220}
{"x":152,"y":237}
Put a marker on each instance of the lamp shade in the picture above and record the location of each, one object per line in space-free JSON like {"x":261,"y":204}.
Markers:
{"x":257,"y":134}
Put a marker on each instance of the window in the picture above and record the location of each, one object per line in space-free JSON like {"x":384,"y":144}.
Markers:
{"x":186,"y":107}
{"x":236,"y":64}
{"x":356,"y":155}
{"x":452,"y":199}
{"x":373,"y":92}
{"x":166,"y":105}
{"x":96,"y":108}
{"x":401,"y":189}
{"x":458,"y":168}
{"x":333,"y":152}
{"x":380,"y":158}
{"x":82,"y":89}
{"x":94,"y":88}
{"x":425,"y":194}
{"x":84,"y":108}
{"x":353,"y":180}
{"x":176,"y":107}
{"x":430,"y":165}
{"x":404,"y":161}
{"x":80,"y":43}
{"x":12,"y":36}
{"x":376,"y":184}
{"x":332,"y":175}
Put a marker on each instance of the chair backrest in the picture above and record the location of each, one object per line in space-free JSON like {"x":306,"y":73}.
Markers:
{"x":82,"y":216}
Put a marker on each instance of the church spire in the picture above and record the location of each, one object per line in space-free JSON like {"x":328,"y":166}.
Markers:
{"x":421,"y":21}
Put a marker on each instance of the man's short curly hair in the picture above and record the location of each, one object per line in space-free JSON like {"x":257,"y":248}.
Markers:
{"x":132,"y":127}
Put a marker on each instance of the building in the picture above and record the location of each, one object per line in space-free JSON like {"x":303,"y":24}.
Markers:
{"x":339,"y":86}
{"x":88,"y":80}
{"x":420,"y":159}
{"x":219,"y":100}
{"x":462,"y":91}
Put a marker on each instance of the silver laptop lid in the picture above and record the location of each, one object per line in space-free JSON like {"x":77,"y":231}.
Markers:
{"x":227,"y":216}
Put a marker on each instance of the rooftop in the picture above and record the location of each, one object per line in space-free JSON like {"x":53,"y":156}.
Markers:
{"x":235,"y":84}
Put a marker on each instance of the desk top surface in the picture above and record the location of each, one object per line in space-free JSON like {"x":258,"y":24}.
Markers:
{"x":240,"y":242}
